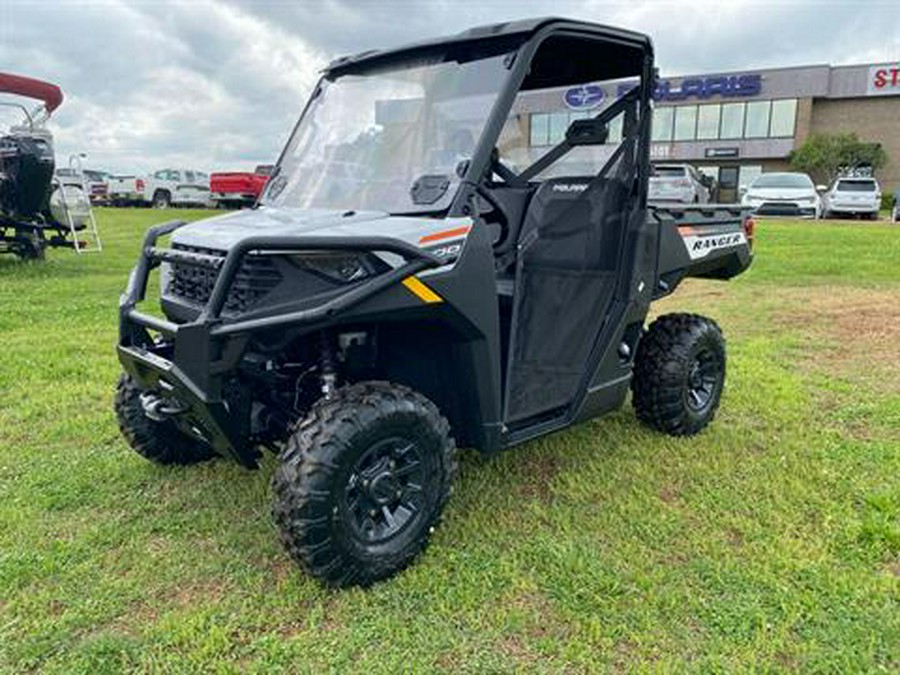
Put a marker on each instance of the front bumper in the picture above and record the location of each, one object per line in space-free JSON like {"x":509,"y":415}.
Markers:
{"x":787,"y":209}
{"x":192,"y":362}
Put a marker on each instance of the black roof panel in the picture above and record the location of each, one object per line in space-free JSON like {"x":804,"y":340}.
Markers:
{"x":511,"y":30}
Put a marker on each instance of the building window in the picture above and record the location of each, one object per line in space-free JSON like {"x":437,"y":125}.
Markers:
{"x":708,"y":122}
{"x":757,"y":123}
{"x":662,"y":123}
{"x":615,"y":129}
{"x":732,"y":121}
{"x":550,"y":128}
{"x":559,"y":122}
{"x":685,"y":123}
{"x":540,"y":129}
{"x":784,"y":113}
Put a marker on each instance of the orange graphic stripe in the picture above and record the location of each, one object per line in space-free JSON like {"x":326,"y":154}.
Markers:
{"x":446,"y":234}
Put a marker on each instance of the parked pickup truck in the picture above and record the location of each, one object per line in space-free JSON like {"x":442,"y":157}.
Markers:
{"x":236,"y":189}
{"x":165,"y":188}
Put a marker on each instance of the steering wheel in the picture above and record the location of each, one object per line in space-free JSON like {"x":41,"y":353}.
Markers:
{"x":501,"y":218}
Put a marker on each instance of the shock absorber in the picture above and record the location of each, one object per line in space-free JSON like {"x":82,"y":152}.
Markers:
{"x":329,"y":374}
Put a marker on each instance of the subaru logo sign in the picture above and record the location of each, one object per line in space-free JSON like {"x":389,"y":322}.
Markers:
{"x":584,"y":97}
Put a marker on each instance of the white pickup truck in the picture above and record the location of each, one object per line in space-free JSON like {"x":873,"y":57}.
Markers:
{"x":162,"y":189}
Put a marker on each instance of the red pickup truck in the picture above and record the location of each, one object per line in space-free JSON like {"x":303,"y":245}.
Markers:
{"x":233,"y":190}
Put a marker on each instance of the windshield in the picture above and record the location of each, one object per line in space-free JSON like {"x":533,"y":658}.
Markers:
{"x":367,"y":139}
{"x":782,"y":180}
{"x":856,"y":186}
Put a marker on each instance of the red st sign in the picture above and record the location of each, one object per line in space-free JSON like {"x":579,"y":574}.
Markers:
{"x":884,"y":79}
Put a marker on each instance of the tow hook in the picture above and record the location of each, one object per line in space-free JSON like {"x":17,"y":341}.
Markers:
{"x":159,"y":409}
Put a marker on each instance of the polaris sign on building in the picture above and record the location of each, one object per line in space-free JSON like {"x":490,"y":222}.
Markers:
{"x":589,"y":96}
{"x":734,"y":126}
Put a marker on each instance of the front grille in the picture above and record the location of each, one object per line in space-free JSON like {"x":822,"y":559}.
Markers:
{"x":778,"y":209}
{"x":256,"y":277}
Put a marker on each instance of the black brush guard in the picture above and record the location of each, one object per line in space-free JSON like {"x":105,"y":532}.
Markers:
{"x":190,"y":362}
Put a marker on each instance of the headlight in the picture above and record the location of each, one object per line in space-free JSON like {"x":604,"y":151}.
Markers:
{"x":807,"y":200}
{"x":344,"y":268}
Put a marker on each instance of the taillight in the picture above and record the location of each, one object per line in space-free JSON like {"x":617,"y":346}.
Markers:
{"x":749,"y":229}
{"x":683,"y":182}
{"x":139,"y":185}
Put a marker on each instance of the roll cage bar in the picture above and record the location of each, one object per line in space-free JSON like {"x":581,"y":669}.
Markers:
{"x":481,"y":163}
{"x":562,"y":148}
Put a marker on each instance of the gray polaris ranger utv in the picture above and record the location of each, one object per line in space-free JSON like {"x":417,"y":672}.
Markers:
{"x":433,"y":259}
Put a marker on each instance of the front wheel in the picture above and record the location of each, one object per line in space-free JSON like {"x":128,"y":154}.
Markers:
{"x":362,"y":483}
{"x":160,"y":442}
{"x":679,"y":374}
{"x":162,"y":199}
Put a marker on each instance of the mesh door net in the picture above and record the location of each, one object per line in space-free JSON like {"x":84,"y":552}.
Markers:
{"x":565,"y":278}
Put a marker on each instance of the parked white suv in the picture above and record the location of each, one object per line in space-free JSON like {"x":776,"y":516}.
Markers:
{"x":677,"y":183}
{"x":164,"y":188}
{"x":853,"y":196}
{"x":783,"y":194}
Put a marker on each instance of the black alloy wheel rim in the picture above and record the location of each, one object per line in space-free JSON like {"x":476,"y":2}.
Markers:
{"x":384,"y":492}
{"x":703,"y":380}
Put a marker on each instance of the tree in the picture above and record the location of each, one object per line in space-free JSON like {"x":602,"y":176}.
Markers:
{"x":827,"y":156}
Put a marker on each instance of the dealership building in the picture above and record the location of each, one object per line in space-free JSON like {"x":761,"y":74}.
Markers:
{"x":734,"y":126}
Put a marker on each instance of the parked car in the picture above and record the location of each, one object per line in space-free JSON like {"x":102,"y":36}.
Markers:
{"x":853,"y":197}
{"x":678,"y":183}
{"x":236,"y":189}
{"x":98,"y":185}
{"x":95,"y":182}
{"x":164,"y":188}
{"x":783,"y":194}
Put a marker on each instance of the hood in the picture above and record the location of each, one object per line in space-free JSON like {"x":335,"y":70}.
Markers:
{"x":781,"y":193}
{"x":223,"y":232}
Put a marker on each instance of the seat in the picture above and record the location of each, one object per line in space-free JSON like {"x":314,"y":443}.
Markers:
{"x":550,"y":200}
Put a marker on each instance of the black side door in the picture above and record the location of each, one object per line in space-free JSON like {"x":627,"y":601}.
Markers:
{"x":569,"y":253}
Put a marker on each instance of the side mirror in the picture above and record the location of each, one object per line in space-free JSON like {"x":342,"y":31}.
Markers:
{"x":821,"y":188}
{"x":742,"y":189}
{"x":587,"y":132}
{"x":429,"y":188}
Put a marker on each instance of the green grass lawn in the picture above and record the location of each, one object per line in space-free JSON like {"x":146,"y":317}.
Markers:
{"x":769,"y":542}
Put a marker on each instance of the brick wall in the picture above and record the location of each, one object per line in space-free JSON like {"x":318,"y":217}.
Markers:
{"x":874,"y":120}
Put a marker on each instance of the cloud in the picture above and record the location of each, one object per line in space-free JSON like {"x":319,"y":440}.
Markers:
{"x":198,"y":84}
{"x":219,"y":85}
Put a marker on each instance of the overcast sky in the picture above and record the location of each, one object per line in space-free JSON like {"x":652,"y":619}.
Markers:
{"x":218,"y":85}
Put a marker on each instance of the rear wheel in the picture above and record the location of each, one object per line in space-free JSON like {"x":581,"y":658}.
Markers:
{"x":362,"y":483}
{"x":679,"y":374}
{"x":160,"y":442}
